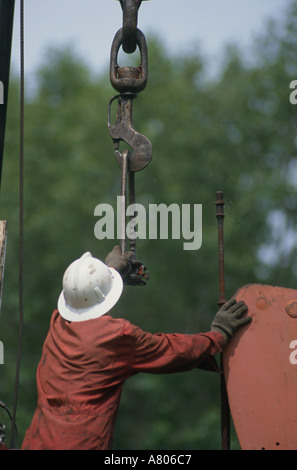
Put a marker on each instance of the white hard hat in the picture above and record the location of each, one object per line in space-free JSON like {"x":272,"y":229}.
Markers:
{"x":90,"y":289}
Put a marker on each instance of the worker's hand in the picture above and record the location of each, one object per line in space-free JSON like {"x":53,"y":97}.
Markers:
{"x":229,"y":318}
{"x":138,"y":276}
{"x":133,"y":272}
{"x":121,"y":262}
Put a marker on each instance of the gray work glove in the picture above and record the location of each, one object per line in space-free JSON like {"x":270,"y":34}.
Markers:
{"x":121,"y":262}
{"x":229,"y":318}
{"x":133,"y":272}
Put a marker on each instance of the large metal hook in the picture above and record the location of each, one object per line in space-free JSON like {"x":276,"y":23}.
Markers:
{"x":123,"y":130}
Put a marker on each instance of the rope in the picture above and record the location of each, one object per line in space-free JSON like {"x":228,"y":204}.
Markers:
{"x":21,"y":215}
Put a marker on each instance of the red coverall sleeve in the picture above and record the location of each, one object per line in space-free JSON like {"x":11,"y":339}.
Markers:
{"x":169,"y":353}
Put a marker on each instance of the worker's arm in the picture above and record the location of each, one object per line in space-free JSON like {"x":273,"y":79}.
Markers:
{"x":167,"y":353}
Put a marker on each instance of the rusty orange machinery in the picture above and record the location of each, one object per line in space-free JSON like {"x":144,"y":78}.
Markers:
{"x":260,"y":367}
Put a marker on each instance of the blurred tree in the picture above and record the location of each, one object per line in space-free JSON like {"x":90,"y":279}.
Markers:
{"x":235,"y":132}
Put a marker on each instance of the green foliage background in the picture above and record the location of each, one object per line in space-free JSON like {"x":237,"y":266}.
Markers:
{"x":234,"y":132}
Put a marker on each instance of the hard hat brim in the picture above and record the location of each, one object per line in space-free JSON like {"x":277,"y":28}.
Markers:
{"x":71,"y":314}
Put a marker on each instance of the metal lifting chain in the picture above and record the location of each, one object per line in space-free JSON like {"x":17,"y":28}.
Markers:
{"x":129,"y":81}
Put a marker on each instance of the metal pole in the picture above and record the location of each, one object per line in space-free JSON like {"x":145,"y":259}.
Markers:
{"x":125,"y":164}
{"x":225,"y":409}
{"x":132,"y":201}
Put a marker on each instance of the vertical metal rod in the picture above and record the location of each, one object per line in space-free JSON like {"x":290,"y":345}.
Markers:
{"x":220,"y":217}
{"x":132,"y":201}
{"x":225,"y":409}
{"x":127,"y":176}
{"x":123,"y":201}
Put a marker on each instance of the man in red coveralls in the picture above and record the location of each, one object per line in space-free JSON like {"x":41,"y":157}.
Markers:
{"x":88,"y":355}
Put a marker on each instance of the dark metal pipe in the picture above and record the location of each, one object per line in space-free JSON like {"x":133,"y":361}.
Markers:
{"x":225,"y":409}
{"x":125,"y":166}
{"x":220,"y":217}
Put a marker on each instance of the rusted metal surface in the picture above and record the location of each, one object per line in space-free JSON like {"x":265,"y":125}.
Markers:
{"x":260,"y":367}
{"x":129,"y":81}
{"x":123,"y":130}
{"x":220,"y":205}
